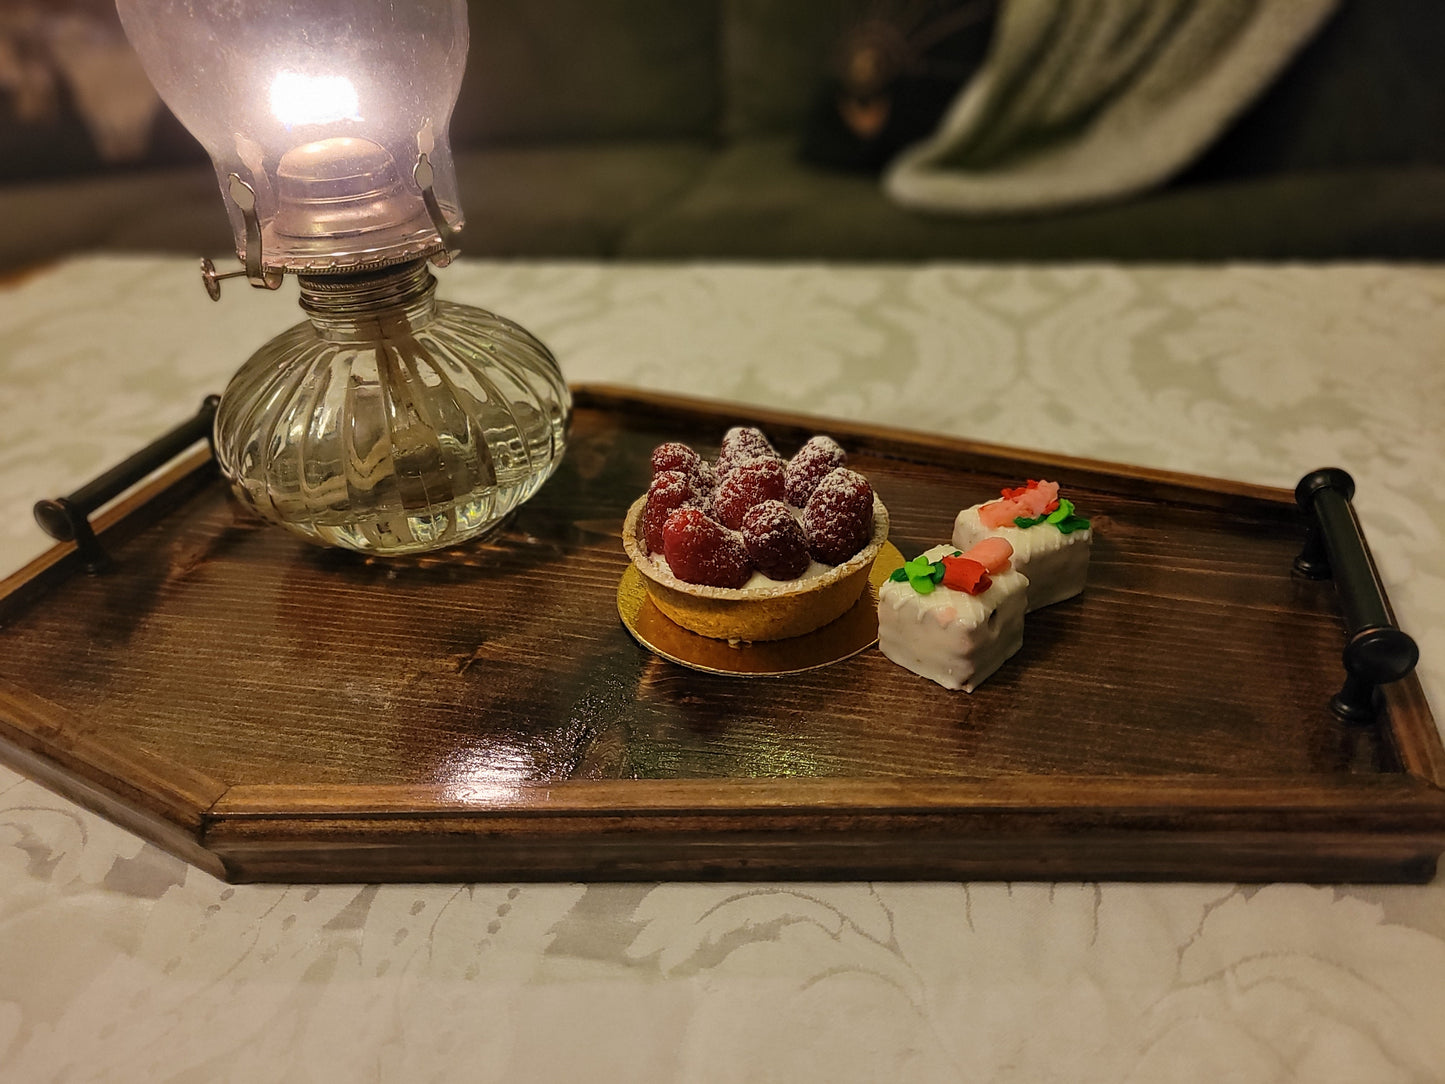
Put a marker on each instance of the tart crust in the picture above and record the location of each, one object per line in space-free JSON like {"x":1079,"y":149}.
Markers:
{"x":773,"y":611}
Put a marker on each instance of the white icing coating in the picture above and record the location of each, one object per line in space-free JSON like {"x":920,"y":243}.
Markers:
{"x":948,"y":636}
{"x":1055,"y":563}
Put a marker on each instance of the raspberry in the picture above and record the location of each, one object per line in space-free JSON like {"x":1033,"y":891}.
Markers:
{"x":740,"y":444}
{"x":774,"y":541}
{"x":748,"y":484}
{"x":809,"y":467}
{"x":838,"y":518}
{"x":674,"y":456}
{"x":670,"y":490}
{"x":703,"y":551}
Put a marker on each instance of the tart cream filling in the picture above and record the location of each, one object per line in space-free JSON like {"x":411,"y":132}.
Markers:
{"x":756,"y":580}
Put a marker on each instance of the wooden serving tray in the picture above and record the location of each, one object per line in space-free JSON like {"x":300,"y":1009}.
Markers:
{"x":275,"y":712}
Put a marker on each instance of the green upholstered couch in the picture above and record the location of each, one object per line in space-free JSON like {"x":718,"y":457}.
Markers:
{"x":649,"y":130}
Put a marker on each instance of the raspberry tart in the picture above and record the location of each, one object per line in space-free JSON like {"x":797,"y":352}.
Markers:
{"x":753,"y":547}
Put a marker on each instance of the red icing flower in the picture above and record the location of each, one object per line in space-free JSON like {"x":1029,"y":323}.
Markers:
{"x":1026,"y":502}
{"x":965,"y":575}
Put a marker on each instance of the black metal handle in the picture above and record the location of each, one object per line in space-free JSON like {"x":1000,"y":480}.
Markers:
{"x":67,"y":519}
{"x":1376,"y":651}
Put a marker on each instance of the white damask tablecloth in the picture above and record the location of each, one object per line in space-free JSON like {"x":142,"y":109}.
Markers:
{"x":118,"y":962}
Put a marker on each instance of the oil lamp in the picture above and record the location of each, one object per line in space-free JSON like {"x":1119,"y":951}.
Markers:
{"x":388,"y":421}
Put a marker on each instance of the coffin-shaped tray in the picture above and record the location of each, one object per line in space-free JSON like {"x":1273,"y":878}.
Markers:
{"x":275,"y":712}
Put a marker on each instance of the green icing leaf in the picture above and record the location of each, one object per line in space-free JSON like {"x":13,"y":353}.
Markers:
{"x":1062,"y":517}
{"x":921,"y":574}
{"x":900,"y":575}
{"x":919,"y":566}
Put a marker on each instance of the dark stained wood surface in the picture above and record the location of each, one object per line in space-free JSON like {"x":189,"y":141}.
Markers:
{"x":304,"y":714}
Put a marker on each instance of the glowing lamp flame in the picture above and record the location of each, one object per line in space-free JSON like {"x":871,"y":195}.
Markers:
{"x":298,"y":99}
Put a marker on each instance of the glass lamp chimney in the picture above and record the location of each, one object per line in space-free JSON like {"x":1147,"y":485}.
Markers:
{"x":322,"y":108}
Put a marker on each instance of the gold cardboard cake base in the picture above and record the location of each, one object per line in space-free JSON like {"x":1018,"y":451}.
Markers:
{"x":855,"y":631}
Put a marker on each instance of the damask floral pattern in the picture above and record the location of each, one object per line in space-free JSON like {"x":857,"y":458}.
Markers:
{"x":118,"y":962}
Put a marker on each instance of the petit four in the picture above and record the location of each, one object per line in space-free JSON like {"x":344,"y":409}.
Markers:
{"x":954,"y":617}
{"x":1050,"y":541}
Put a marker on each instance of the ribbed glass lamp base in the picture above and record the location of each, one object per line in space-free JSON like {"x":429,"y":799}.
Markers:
{"x":390,"y":422}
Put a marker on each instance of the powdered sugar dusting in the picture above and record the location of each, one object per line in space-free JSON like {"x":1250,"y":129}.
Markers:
{"x":813,"y":462}
{"x":739,"y":445}
{"x":751,"y":483}
{"x":775,"y":541}
{"x":669,"y":491}
{"x":702,"y":551}
{"x":838,"y":518}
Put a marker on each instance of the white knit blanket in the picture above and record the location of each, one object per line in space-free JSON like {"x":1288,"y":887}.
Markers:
{"x":1081,"y":101}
